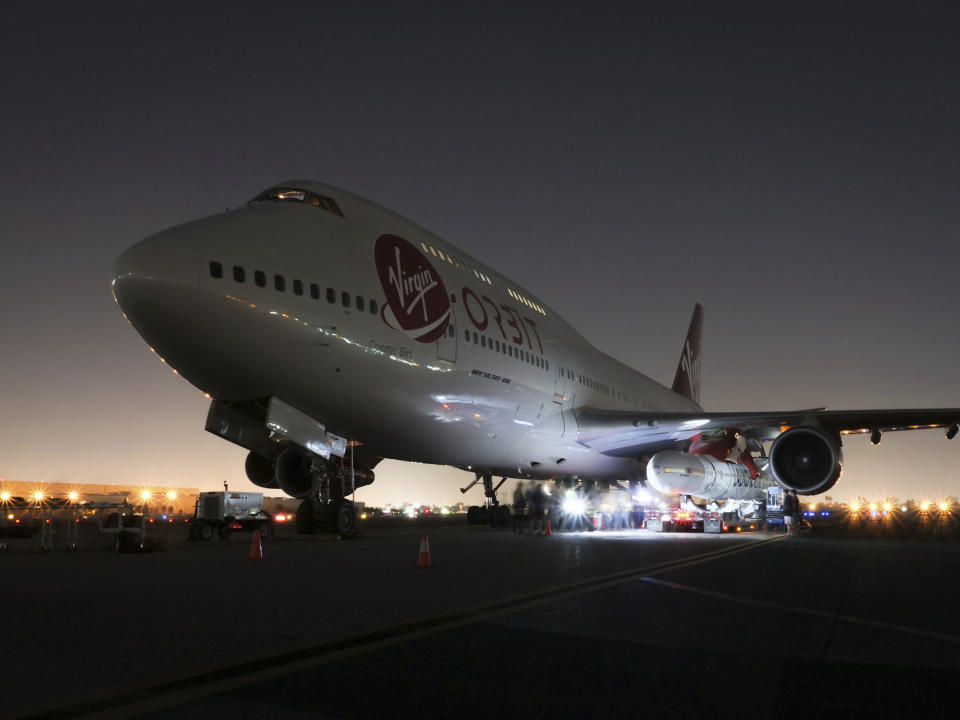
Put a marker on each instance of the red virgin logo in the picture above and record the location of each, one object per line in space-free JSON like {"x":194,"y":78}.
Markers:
{"x":417,"y":301}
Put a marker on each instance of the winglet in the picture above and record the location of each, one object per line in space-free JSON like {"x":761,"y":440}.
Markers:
{"x":687,"y":380}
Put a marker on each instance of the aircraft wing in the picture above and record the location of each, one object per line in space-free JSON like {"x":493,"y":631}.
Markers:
{"x":625,"y":434}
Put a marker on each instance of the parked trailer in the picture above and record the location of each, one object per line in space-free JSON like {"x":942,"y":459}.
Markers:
{"x":224,"y":512}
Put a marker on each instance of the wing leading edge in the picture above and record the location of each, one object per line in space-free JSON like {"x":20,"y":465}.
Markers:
{"x":625,"y":434}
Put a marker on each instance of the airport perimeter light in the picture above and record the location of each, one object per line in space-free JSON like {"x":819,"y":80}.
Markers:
{"x":145,"y":496}
{"x":172,"y":495}
{"x":38,"y":496}
{"x":73,"y":496}
{"x":5,"y":496}
{"x":944,"y":506}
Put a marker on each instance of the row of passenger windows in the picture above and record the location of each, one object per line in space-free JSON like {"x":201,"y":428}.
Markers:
{"x":456,"y":262}
{"x":594,"y":384}
{"x":297,"y":286}
{"x":506,"y":349}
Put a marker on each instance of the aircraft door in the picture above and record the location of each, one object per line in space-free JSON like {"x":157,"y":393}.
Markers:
{"x":560,"y":399}
{"x":447,"y":345}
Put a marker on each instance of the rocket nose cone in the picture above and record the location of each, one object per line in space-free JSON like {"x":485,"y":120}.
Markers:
{"x":155,"y":284}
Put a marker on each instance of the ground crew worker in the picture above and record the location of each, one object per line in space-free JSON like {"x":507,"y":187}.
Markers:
{"x":521,"y":522}
{"x":538,"y":503}
{"x":791,"y":509}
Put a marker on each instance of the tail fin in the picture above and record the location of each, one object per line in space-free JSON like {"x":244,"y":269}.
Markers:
{"x":687,"y":380}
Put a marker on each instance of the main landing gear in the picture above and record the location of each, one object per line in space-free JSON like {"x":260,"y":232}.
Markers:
{"x":492,"y":513}
{"x":328,"y":510}
{"x":333,"y":516}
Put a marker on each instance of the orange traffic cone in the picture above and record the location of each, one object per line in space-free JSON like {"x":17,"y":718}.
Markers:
{"x":548,"y":528}
{"x":424,"y":559}
{"x":256,"y":549}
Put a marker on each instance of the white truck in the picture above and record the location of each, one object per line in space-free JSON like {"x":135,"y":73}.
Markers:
{"x":223,"y":512}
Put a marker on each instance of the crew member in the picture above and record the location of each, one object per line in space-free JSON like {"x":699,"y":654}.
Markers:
{"x":791,"y":509}
{"x":520,"y":519}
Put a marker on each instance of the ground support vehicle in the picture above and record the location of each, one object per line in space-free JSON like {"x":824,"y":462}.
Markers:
{"x":713,"y":523}
{"x":676,"y":520}
{"x":223,"y":512}
{"x":774,"y":515}
{"x":126,"y":529}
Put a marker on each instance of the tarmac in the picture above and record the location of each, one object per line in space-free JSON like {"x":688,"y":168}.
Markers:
{"x":611,"y":624}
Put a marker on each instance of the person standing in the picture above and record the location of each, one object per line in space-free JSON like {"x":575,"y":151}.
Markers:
{"x":520,"y":518}
{"x":791,"y":508}
{"x":538,"y":503}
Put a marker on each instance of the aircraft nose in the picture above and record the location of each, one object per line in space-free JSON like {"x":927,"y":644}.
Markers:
{"x":155,"y":284}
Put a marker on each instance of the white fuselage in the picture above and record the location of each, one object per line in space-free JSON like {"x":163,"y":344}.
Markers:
{"x":290,"y":317}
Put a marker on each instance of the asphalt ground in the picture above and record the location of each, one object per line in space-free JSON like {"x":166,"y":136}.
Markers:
{"x":573,"y":625}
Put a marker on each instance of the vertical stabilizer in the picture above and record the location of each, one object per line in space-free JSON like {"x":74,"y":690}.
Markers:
{"x":687,"y":380}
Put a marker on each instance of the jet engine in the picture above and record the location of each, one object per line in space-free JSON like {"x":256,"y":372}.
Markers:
{"x":673,"y":473}
{"x":294,"y":473}
{"x":260,"y":470}
{"x":806,"y":459}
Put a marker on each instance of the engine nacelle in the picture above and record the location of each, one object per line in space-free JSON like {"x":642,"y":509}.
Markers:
{"x":680,"y":473}
{"x":294,"y":473}
{"x":806,"y":459}
{"x":260,"y":470}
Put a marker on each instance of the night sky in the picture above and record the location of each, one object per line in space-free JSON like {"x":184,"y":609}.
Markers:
{"x":793,"y":167}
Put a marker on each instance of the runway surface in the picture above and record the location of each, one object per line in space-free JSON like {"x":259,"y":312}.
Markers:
{"x":573,"y":625}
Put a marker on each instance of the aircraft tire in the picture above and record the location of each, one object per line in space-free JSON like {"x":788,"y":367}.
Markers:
{"x":473,"y":515}
{"x":503,"y":516}
{"x":345,"y":518}
{"x":304,"y":521}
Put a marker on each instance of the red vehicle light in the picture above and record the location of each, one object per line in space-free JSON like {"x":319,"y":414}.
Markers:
{"x":235,"y":526}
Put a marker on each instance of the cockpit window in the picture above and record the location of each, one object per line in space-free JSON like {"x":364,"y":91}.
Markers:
{"x":300,"y":196}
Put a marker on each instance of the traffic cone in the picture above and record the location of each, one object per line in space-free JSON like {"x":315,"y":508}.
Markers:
{"x":256,"y":549}
{"x":548,"y":532}
{"x":424,"y":560}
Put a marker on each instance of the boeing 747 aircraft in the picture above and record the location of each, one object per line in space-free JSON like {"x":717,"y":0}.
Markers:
{"x":331,"y":332}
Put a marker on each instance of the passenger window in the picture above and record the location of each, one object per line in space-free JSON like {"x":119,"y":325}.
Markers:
{"x":260,"y":278}
{"x":497,"y":343}
{"x":451,"y":332}
{"x":373,"y":307}
{"x":466,"y":335}
{"x":475,"y":339}
{"x":331,"y":295}
{"x":216,"y":269}
{"x":360,"y":306}
{"x":483,"y":341}
{"x":279,"y":283}
{"x":297,"y":287}
{"x":345,"y":299}
{"x":314,"y":291}
{"x":238,"y":274}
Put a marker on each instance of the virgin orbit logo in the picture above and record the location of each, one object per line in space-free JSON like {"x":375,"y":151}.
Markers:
{"x":417,"y":301}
